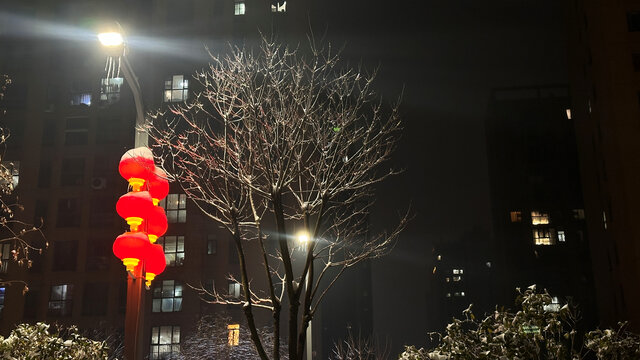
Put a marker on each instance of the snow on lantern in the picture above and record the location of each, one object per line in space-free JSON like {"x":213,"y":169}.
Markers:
{"x":136,"y":166}
{"x":158,"y":185}
{"x":134,"y":207}
{"x":156,"y":223}
{"x":131,"y":247}
{"x":155,"y":262}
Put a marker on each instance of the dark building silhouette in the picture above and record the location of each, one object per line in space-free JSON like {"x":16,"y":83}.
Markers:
{"x":604,"y":63}
{"x":539,"y":234}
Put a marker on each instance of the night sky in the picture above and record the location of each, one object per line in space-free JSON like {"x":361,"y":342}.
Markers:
{"x":448,"y":55}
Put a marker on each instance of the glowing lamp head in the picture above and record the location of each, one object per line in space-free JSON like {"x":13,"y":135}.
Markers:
{"x":156,"y":223}
{"x":136,"y":166}
{"x":134,"y":207}
{"x":155,"y":263}
{"x":111,"y":39}
{"x":131,"y":247}
{"x":158,"y":185}
{"x":303,"y":237}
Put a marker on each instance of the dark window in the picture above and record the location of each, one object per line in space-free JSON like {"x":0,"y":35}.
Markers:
{"x":68,"y":212}
{"x":5,"y":255}
{"x":212,"y":244}
{"x":65,"y":255}
{"x":31,"y":299}
{"x":44,"y":174}
{"x":108,"y":130}
{"x":633,"y":20}
{"x":49,"y":132}
{"x":94,"y":298}
{"x":102,"y":211}
{"x":99,"y":254}
{"x":72,"y":172}
{"x":40,"y":212}
{"x":61,"y":300}
{"x":76,"y":131}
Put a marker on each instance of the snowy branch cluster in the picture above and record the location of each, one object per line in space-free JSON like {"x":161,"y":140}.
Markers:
{"x":285,"y":141}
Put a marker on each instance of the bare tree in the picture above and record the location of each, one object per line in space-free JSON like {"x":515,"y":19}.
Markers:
{"x":294,"y":139}
{"x":359,"y":348}
{"x":13,"y":232}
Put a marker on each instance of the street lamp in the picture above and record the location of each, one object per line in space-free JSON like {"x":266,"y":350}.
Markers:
{"x":113,"y":42}
{"x":304,"y":239}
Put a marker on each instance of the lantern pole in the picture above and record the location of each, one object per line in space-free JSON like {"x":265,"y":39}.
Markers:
{"x":134,"y":318}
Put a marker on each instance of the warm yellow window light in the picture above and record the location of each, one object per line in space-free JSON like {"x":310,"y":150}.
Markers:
{"x":234,"y":334}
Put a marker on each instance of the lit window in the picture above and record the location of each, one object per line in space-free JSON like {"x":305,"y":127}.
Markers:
{"x":81,"y":99}
{"x":278,"y":6}
{"x":447,"y":279}
{"x":561,"y":236}
{"x":234,"y":334}
{"x":176,"y":207}
{"x":568,"y":111}
{"x":448,"y":295}
{"x":2,"y":292}
{"x":61,"y":300}
{"x":212,"y":245}
{"x":167,"y":297}
{"x":110,"y":90}
{"x":604,"y":219}
{"x":578,"y":214}
{"x":173,"y":249}
{"x":539,"y":218}
{"x":6,"y":257}
{"x":176,"y":89}
{"x":165,"y":342}
{"x":516,"y":216}
{"x":542,"y":237}
{"x":457,"y":278}
{"x":488,"y":264}
{"x":10,"y":173}
{"x":458,"y":271}
{"x":238,"y":8}
{"x":554,"y":306}
{"x":234,"y":289}
{"x":458,"y":294}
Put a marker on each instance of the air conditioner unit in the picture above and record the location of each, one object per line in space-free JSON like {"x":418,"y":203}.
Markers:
{"x":98,"y":183}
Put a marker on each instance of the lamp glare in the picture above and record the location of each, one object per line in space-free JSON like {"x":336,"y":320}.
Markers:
{"x":110,"y":39}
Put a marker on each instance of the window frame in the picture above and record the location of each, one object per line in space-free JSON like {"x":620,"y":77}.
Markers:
{"x":156,"y":342}
{"x":167,"y":290}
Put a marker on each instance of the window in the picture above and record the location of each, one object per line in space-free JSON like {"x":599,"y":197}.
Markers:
{"x":447,"y":279}
{"x":539,"y":218}
{"x":165,"y":341}
{"x":234,"y":289}
{"x":102,"y":213}
{"x":12,"y":169}
{"x":173,"y":249}
{"x":6,"y":257}
{"x":578,"y":214}
{"x":278,"y":6}
{"x":110,"y":90}
{"x":68,"y":212}
{"x":48,"y":132}
{"x":457,"y":278}
{"x":542,"y":237}
{"x":61,"y":300}
{"x":99,"y":254}
{"x":176,"y":89}
{"x":72,"y":172}
{"x":65,"y":255}
{"x":212,"y":244}
{"x":31,"y":304}
{"x":633,"y":20}
{"x":604,"y":219}
{"x":108,"y":129}
{"x":516,"y":216}
{"x":458,"y":271}
{"x":459,"y":294}
{"x":554,"y":306}
{"x":81,"y":99}
{"x":167,"y":297}
{"x":561,"y":236}
{"x":238,"y":8}
{"x":94,"y":299}
{"x":44,"y":174}
{"x":234,"y":334}
{"x":76,"y":131}
{"x":176,"y":207}
{"x":2,"y":292}
{"x":448,"y":295}
{"x":568,"y":113}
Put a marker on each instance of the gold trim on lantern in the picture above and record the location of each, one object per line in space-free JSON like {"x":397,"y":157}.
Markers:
{"x":130,"y":263}
{"x":136,"y":183}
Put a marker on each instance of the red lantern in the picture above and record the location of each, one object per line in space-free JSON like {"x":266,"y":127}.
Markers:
{"x":155,"y":262}
{"x":158,"y":185}
{"x":156,"y":223}
{"x":131,"y":247}
{"x":134,"y":207}
{"x":136,"y":166}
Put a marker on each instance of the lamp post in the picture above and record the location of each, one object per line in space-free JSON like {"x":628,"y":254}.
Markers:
{"x":113,"y":41}
{"x":303,"y":239}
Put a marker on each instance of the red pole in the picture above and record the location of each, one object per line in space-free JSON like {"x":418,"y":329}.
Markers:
{"x":134,"y":318}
